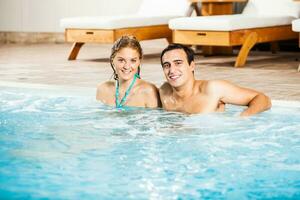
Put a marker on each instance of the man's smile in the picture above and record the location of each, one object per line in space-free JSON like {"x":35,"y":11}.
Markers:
{"x":174,"y":77}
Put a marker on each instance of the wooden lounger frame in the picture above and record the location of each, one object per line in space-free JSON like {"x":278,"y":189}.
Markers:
{"x":103,"y":36}
{"x":299,"y":47}
{"x":81,"y":36}
{"x":246,"y":38}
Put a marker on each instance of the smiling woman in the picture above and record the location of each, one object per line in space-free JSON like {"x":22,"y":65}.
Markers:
{"x":127,"y":89}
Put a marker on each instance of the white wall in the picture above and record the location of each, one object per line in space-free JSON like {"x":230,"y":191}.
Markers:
{"x":44,"y":15}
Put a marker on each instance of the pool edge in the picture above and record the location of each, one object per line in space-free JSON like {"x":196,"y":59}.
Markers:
{"x":83,"y":91}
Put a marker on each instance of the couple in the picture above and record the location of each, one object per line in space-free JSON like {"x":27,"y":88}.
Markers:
{"x":180,"y":93}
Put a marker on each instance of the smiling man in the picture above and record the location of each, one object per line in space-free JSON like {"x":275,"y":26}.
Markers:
{"x":183,"y":93}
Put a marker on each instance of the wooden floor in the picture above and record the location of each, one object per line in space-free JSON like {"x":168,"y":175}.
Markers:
{"x":274,"y":74}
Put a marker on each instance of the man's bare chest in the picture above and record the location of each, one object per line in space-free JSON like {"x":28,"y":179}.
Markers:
{"x":192,"y":105}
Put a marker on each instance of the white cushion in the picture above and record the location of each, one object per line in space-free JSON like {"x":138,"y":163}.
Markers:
{"x":151,"y":12}
{"x":164,"y":7}
{"x":227,"y":22}
{"x":296,"y":25}
{"x":114,"y":22}
{"x":273,"y":8}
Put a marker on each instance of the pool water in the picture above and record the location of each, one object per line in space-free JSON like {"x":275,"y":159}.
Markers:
{"x":55,"y":146}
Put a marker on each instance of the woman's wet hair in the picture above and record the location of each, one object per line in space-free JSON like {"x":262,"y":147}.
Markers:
{"x":188,"y":51}
{"x":125,"y":41}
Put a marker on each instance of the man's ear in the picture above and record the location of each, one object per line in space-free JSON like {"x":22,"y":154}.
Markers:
{"x":192,"y":66}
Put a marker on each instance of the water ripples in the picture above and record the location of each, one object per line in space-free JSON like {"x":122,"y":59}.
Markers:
{"x":74,"y":147}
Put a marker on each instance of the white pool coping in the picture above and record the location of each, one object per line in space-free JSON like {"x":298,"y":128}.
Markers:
{"x":89,"y":91}
{"x":53,"y":89}
{"x":286,"y":103}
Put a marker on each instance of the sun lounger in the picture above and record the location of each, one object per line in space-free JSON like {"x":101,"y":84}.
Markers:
{"x":296,"y":28}
{"x":150,"y":22}
{"x":261,"y":21}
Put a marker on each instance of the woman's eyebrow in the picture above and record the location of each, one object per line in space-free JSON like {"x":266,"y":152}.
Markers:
{"x":125,"y":58}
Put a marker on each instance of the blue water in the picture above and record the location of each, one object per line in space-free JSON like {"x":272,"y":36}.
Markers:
{"x":71,"y":147}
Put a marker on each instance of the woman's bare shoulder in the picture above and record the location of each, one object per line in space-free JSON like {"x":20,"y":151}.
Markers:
{"x":106,"y":85}
{"x":151,"y":95}
{"x":145,"y":85}
{"x":104,"y":89}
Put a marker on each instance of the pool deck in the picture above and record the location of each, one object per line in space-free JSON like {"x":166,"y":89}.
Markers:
{"x":274,"y":74}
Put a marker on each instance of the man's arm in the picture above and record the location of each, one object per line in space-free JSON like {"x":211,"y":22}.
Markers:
{"x":233,"y":94}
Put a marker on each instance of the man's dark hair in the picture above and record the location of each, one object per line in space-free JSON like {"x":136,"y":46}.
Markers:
{"x":188,"y":51}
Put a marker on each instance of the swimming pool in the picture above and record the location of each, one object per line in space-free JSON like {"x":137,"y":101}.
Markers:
{"x":58,"y":146}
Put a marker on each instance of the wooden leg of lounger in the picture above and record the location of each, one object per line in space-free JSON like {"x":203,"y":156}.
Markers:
{"x":207,"y":50}
{"x":75,"y":50}
{"x":169,"y":39}
{"x":212,"y":50}
{"x":274,"y":47}
{"x":250,"y":41}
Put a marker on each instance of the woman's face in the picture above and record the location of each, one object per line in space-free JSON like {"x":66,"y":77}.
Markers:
{"x":126,"y":63}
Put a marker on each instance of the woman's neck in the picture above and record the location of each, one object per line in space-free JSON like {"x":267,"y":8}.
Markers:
{"x":124,"y":84}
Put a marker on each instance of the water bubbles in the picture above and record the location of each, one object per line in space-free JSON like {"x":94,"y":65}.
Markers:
{"x":75,"y":147}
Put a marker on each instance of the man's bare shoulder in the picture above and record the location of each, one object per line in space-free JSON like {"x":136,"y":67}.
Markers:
{"x":165,"y":88}
{"x":213,"y":86}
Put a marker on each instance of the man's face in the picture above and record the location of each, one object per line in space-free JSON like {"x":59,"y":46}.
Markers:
{"x":176,"y":67}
